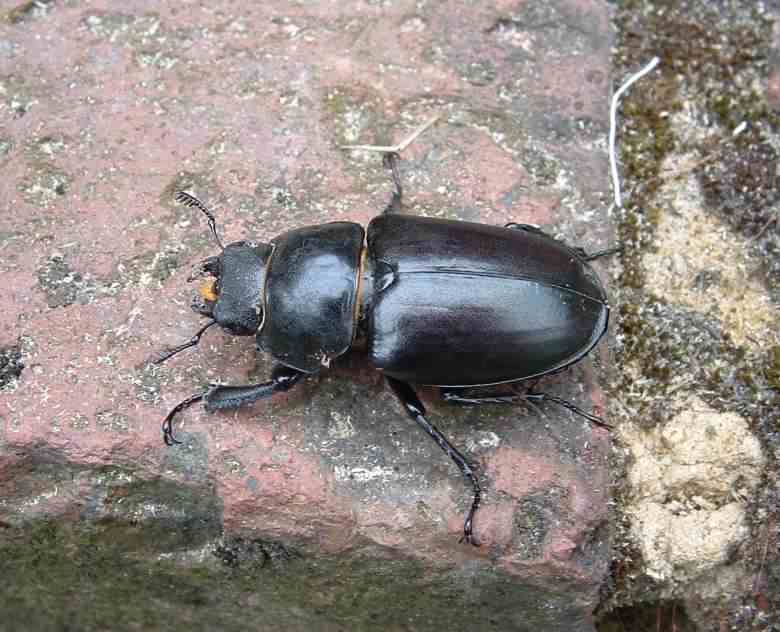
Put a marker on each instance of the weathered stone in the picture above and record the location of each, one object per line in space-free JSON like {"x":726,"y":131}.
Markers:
{"x":326,"y":508}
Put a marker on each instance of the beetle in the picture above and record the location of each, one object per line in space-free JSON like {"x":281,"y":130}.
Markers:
{"x":456,"y":305}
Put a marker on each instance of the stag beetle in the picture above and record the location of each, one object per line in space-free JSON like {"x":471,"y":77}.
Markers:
{"x":457,"y":305}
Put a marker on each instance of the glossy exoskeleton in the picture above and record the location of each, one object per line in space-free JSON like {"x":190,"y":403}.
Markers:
{"x":458,"y":305}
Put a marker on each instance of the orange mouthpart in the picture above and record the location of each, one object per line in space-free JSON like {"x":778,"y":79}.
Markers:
{"x":207,"y":291}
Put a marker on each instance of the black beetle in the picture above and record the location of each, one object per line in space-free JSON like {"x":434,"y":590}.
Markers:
{"x":457,"y":305}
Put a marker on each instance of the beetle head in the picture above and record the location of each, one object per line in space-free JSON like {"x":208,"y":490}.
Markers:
{"x":235,"y":296}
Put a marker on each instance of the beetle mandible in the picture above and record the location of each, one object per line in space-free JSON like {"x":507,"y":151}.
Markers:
{"x":456,"y":305}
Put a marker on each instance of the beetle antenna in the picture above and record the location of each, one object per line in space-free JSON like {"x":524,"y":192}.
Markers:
{"x":169,"y":353}
{"x":190,"y":200}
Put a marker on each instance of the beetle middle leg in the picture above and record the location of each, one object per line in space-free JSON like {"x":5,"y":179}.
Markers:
{"x":415,"y":409}
{"x":222,"y":396}
{"x":390,"y":161}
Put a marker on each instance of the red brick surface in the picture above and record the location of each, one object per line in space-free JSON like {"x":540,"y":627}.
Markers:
{"x":106,"y":112}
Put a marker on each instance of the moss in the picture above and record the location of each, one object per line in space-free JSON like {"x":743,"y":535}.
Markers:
{"x":28,"y":10}
{"x":773,"y":367}
{"x":72,"y":576}
{"x":62,"y":284}
{"x":712,"y":57}
{"x":662,"y":616}
{"x":354,"y":115}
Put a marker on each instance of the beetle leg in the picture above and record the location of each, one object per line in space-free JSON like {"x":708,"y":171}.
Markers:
{"x":540,"y":397}
{"x":580,"y":251}
{"x":415,"y":409}
{"x":390,"y":160}
{"x":169,"y":353}
{"x":599,"y":253}
{"x":526,"y":227}
{"x":167,"y":425}
{"x":458,"y":396}
{"x":221,"y":396}
{"x":530,"y":397}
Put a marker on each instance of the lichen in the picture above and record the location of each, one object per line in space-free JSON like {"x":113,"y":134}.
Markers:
{"x":11,"y":364}
{"x":695,"y":310}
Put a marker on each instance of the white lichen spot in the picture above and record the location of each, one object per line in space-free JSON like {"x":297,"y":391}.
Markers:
{"x":341,"y":426}
{"x":483,"y":439}
{"x":414,"y":24}
{"x":364,"y":474}
{"x":686,"y":480}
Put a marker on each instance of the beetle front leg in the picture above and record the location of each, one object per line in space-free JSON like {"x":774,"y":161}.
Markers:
{"x":220,"y":397}
{"x":415,"y":409}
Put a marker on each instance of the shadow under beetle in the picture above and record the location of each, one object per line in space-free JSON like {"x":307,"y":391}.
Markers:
{"x":457,"y":305}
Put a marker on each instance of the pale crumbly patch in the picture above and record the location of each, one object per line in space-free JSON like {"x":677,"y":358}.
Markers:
{"x":688,"y":480}
{"x":701,"y":263}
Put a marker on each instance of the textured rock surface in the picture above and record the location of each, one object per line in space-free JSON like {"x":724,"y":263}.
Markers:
{"x":323,"y":509}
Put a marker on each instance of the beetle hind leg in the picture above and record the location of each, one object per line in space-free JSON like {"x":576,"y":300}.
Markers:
{"x":469,"y":397}
{"x":599,"y":253}
{"x":580,"y":251}
{"x":415,"y":409}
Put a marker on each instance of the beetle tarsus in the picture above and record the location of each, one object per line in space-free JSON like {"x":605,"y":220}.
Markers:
{"x":600,"y":253}
{"x":580,"y":251}
{"x":415,"y":409}
{"x":167,"y":425}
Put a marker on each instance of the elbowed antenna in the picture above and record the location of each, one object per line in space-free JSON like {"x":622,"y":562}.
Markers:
{"x":190,"y":200}
{"x":192,"y":342}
